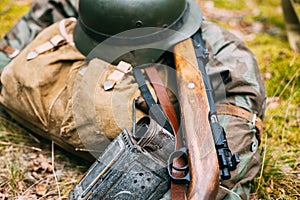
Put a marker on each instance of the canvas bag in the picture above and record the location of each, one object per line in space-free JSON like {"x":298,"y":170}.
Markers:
{"x":53,"y":94}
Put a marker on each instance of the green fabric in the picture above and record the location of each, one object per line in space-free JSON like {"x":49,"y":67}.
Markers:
{"x":243,"y":85}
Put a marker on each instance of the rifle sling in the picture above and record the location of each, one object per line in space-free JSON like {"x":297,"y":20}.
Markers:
{"x":155,"y":110}
{"x":162,"y":96}
{"x":177,"y":190}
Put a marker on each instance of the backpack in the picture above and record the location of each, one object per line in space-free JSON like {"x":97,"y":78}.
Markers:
{"x":49,"y":91}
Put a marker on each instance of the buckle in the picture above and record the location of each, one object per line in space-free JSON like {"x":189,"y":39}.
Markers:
{"x":9,"y":50}
{"x":253,"y":121}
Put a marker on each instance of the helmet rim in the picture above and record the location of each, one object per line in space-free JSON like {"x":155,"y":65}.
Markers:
{"x":85,"y":41}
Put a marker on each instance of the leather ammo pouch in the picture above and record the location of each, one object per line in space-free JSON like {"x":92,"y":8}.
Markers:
{"x":133,"y":166}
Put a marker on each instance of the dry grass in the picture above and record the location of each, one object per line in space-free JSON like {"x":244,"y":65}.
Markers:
{"x":32,"y":168}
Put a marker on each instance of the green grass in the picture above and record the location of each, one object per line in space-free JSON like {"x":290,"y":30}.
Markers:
{"x":10,"y":13}
{"x":279,"y":176}
{"x":231,"y":4}
{"x":279,"y":64}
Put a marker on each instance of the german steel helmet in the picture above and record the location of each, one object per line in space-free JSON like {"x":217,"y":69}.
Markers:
{"x":143,"y":29}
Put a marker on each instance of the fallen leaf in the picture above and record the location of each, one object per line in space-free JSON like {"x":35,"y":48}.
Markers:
{"x":267,"y":75}
{"x":41,"y":189}
{"x":46,"y":166}
{"x":286,"y":168}
{"x":295,"y":123}
{"x":273,"y":102}
{"x":36,"y":175}
{"x":269,"y":190}
{"x":32,"y":155}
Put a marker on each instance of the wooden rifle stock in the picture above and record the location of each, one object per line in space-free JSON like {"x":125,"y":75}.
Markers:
{"x":202,"y":157}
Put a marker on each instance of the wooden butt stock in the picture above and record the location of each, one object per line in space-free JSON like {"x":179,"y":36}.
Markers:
{"x":203,"y":162}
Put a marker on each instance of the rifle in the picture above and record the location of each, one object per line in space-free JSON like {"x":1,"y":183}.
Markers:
{"x":209,"y":157}
{"x":202,"y":159}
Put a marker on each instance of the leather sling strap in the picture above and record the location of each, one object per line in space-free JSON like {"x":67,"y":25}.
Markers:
{"x":162,"y":96}
{"x":228,"y":109}
{"x":155,"y":111}
{"x":177,"y":190}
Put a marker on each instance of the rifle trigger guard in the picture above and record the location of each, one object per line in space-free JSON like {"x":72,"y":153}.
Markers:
{"x":180,"y":153}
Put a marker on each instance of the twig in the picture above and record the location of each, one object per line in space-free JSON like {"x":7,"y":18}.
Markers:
{"x":32,"y":185}
{"x":19,"y":145}
{"x":290,"y":81}
{"x":54,"y":173}
{"x":293,"y":60}
{"x":47,"y":194}
{"x":263,"y":163}
{"x":230,"y":191}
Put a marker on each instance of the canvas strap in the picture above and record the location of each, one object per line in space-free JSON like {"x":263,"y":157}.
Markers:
{"x":54,"y":42}
{"x":116,"y":76}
